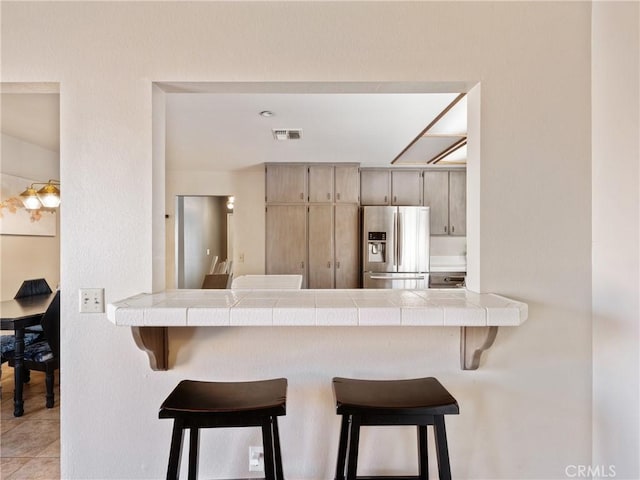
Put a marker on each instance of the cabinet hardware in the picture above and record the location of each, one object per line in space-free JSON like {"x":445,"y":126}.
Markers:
{"x":328,"y":196}
{"x":302,"y":265}
{"x":452,"y":228}
{"x":337,"y":264}
{"x":385,"y":199}
{"x":302,"y":196}
{"x":328,"y":264}
{"x":445,"y":229}
{"x":395,"y":199}
{"x":338,"y":196}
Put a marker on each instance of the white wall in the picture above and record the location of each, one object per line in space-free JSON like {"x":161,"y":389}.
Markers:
{"x":616,"y":237}
{"x":525,"y":414}
{"x":23,"y":257}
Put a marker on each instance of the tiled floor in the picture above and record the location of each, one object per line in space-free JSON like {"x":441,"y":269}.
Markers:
{"x":29,"y":445}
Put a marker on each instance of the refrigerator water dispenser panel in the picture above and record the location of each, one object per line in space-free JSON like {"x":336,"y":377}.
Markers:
{"x":377,"y":246}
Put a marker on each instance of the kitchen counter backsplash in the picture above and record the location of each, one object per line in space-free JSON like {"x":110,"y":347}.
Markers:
{"x":448,"y":263}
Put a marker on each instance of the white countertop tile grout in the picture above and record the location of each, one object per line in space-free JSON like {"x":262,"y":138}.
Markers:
{"x":447,"y":307}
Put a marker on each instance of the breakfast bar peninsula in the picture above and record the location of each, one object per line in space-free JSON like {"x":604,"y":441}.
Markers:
{"x":477,"y":315}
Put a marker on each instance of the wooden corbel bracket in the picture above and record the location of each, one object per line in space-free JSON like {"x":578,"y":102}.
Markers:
{"x":474,"y":341}
{"x":154,"y":341}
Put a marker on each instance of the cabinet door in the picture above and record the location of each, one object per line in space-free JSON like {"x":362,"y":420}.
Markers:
{"x":347,"y":184}
{"x":374,"y":187}
{"x":321,"y":184}
{"x":436,"y":196}
{"x":286,"y":183}
{"x":321,"y":246}
{"x":347,"y":240}
{"x":406,"y":187}
{"x":457,"y":203}
{"x":286,"y":242}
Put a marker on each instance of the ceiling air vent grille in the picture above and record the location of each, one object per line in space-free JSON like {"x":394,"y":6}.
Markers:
{"x":287,"y":133}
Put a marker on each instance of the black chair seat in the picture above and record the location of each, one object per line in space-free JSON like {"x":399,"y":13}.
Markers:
{"x":8,"y":342}
{"x":420,"y":402}
{"x":195,"y":404}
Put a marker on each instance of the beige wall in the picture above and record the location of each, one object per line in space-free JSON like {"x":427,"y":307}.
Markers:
{"x":23,"y":257}
{"x":525,"y":414}
{"x":616,"y":237}
{"x":248,"y":188}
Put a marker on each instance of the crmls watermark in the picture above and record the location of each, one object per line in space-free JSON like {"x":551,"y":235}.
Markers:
{"x":590,"y":471}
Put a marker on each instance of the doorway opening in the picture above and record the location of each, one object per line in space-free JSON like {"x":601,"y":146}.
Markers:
{"x":204,"y":238}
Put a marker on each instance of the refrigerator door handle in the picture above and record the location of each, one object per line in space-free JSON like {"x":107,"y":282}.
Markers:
{"x":395,"y":238}
{"x":391,"y":277}
{"x":399,"y":238}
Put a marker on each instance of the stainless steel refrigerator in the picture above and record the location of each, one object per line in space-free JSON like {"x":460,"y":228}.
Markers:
{"x":395,"y":247}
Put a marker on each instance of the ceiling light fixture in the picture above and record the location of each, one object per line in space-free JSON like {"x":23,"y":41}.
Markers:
{"x":266,"y":113}
{"x":48,"y":196}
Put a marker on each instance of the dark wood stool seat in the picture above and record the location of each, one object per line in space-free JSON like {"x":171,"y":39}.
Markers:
{"x":194,"y":405}
{"x":420,"y":402}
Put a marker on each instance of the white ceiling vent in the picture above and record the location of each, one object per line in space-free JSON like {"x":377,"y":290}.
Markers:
{"x":287,"y":133}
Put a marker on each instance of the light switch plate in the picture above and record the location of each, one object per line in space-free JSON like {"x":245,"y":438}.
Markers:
{"x":92,"y":300}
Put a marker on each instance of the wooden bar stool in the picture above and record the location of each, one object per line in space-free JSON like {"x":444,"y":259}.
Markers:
{"x":194,"y":405}
{"x":420,"y":402}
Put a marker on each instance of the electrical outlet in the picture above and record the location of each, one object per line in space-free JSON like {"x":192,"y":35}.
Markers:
{"x":92,"y":300}
{"x":256,"y":459}
{"x":241,"y":258}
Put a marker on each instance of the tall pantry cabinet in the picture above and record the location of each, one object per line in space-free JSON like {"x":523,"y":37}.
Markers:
{"x":312,"y":223}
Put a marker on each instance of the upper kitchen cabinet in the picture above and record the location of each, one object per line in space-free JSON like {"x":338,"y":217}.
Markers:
{"x":321,"y":183}
{"x":383,"y":186}
{"x":446,"y":193}
{"x":286,"y":183}
{"x":347,"y":182}
{"x":457,"y":203}
{"x":375,"y":186}
{"x":406,"y":187}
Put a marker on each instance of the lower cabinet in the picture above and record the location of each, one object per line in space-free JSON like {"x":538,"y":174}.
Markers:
{"x":286,"y":240}
{"x":347,"y":246}
{"x":319,"y":242}
{"x":321,"y":261}
{"x":333,"y":246}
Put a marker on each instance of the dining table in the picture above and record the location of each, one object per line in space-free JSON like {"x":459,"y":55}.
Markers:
{"x":18,"y":314}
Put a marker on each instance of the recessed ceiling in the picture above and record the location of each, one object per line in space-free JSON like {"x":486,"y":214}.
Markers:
{"x":225,"y":131}
{"x":32,"y":117}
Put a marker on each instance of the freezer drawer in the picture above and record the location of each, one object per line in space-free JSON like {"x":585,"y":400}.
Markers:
{"x":415,"y":281}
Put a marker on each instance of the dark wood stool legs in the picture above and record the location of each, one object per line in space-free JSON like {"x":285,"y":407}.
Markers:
{"x":418,"y":402}
{"x":350,"y":437}
{"x":194,"y":405}
{"x":270,"y":439}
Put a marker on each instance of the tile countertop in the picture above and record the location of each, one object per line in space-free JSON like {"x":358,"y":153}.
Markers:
{"x":446,"y":307}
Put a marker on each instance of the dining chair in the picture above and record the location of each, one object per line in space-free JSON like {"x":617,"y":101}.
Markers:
{"x":44,"y":355}
{"x":35,"y":286}
{"x":216,"y":280}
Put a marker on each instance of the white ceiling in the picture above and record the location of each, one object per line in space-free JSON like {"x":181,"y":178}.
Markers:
{"x":224,"y":131}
